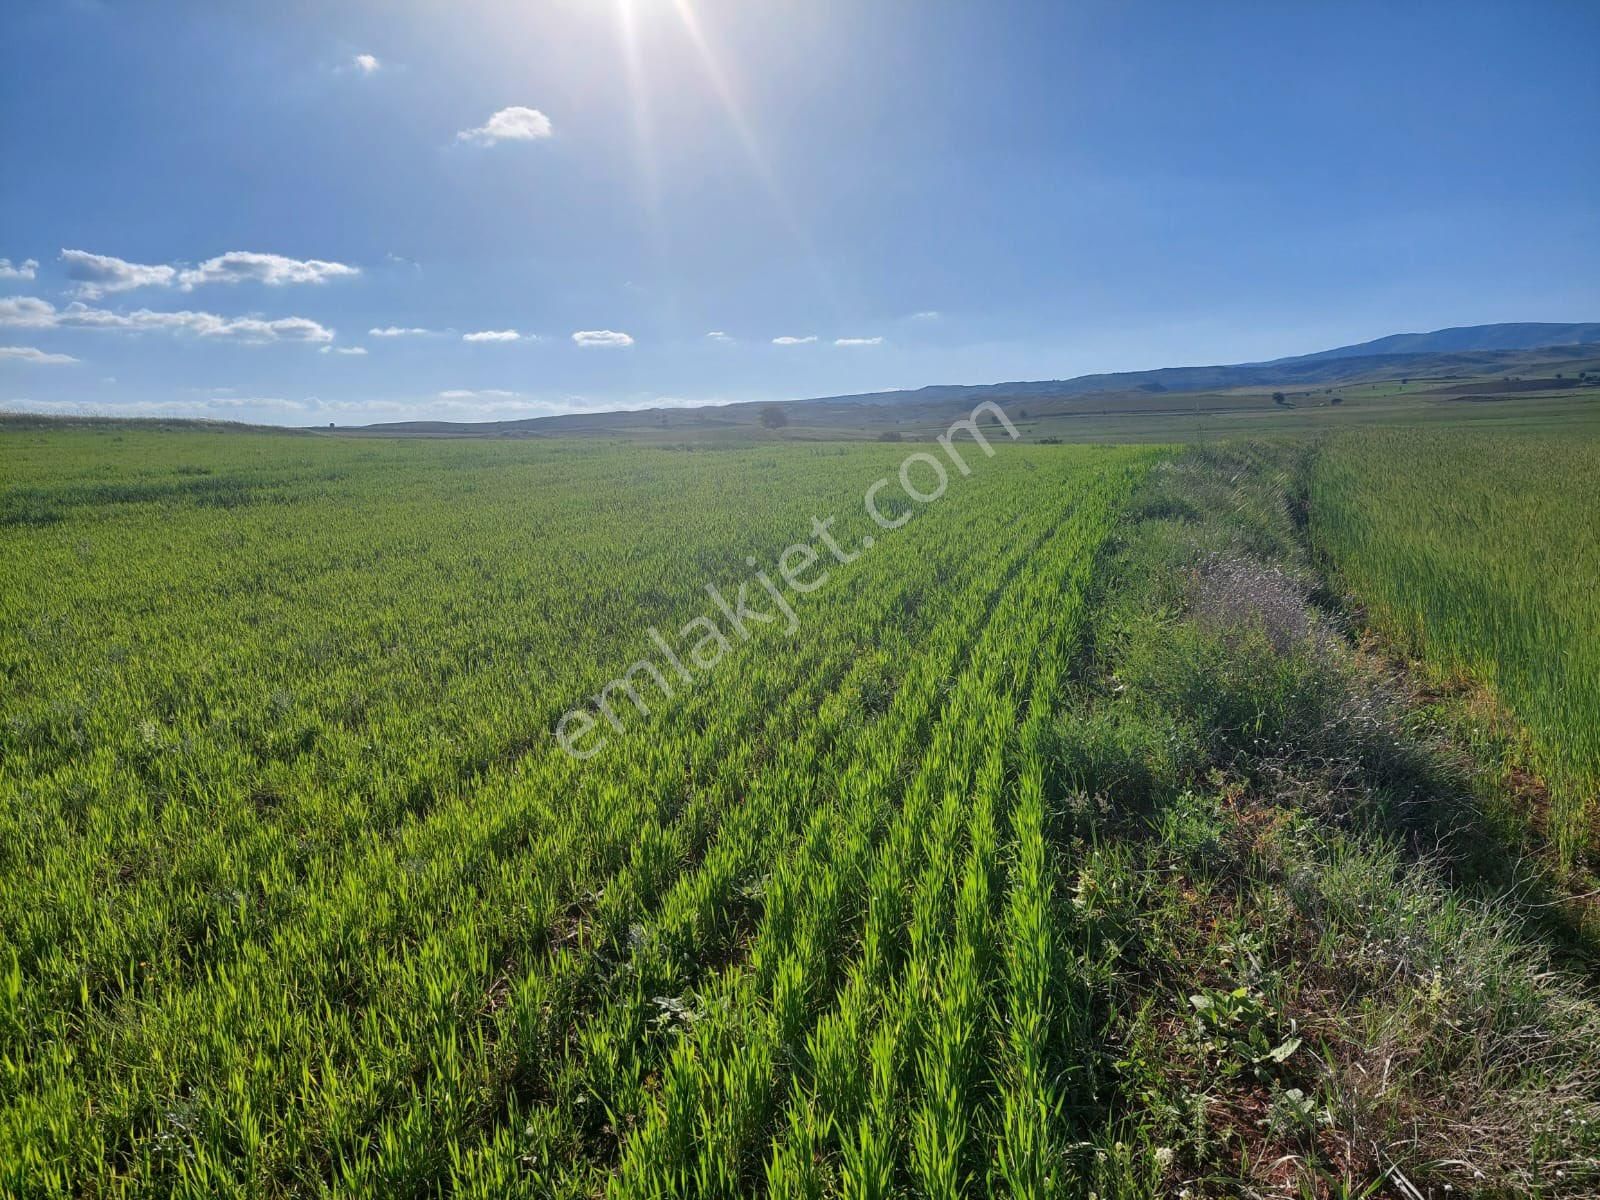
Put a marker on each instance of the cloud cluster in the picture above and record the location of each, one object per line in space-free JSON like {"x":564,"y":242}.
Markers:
{"x":22,"y":270}
{"x":30,"y":354}
{"x":274,"y":270}
{"x":807,"y":340}
{"x":601,"y":337}
{"x":478,"y":394}
{"x":266,"y":403}
{"x":367,"y":64}
{"x":492,"y":335}
{"x":29,"y":312}
{"x":225,"y":403}
{"x":215,"y":407}
{"x":102,"y":274}
{"x":395,"y":331}
{"x":514,"y":124}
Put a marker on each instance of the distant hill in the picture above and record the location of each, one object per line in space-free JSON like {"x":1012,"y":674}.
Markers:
{"x":1470,"y":349}
{"x":1527,"y":335}
{"x":1470,"y":352}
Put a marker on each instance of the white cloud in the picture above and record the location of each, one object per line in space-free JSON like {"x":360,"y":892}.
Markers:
{"x":220,"y":407}
{"x":22,"y":270}
{"x":601,"y":337}
{"x":926,"y":315}
{"x":794,"y":341}
{"x":29,"y":354}
{"x":274,"y":270}
{"x":514,"y":124}
{"x":21,"y":404}
{"x":492,"y":335}
{"x":269,"y":403}
{"x":716,"y":335}
{"x":99,"y":274}
{"x":455,"y":404}
{"x":344,"y":349}
{"x":858,"y":341}
{"x":469,"y":404}
{"x":365,"y":63}
{"x":394,"y":331}
{"x":478,"y":393}
{"x":29,"y":312}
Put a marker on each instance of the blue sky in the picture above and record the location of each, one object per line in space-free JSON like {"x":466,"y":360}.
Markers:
{"x":208,"y":209}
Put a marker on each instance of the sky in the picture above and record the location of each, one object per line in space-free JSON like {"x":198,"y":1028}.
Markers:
{"x":304,"y":213}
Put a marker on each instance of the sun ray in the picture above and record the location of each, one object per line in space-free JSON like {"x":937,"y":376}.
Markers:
{"x":753,"y":149}
{"x":643,"y":126}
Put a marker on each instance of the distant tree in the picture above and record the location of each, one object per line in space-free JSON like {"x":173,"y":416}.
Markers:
{"x":1278,"y":398}
{"x":773,"y":417}
{"x":889,"y":435}
{"x":1023,"y":414}
{"x":1337,"y":400}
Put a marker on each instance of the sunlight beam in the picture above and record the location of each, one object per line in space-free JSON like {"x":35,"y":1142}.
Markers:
{"x":752,"y":147}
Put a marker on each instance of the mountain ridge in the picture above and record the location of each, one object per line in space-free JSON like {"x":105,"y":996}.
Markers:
{"x":1459,"y":351}
{"x":1508,"y":335}
{"x":1465,"y":340}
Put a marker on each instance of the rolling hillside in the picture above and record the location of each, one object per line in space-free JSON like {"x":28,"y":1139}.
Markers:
{"x":1474,"y":358}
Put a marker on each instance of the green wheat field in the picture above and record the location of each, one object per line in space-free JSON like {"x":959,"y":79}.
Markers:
{"x":1073,"y":836}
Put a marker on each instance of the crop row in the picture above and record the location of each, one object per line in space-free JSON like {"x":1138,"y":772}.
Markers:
{"x":300,"y":895}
